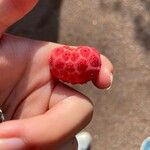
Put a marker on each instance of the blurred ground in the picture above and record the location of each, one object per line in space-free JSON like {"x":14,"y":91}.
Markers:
{"x":121,"y":30}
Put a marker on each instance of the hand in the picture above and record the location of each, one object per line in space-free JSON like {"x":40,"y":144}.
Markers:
{"x":42,"y":113}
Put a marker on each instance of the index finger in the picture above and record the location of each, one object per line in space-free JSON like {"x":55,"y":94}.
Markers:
{"x":105,"y":78}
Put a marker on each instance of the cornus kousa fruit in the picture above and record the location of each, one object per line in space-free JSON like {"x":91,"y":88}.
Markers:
{"x":76,"y":65}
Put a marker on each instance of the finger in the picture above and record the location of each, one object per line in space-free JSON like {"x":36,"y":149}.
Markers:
{"x":13,"y":10}
{"x":105,"y":78}
{"x":56,"y":126}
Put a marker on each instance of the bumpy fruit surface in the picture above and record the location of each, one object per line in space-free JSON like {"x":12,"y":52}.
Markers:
{"x":76,"y":65}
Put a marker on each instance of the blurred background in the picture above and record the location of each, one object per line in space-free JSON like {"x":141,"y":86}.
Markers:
{"x":120,"y":29}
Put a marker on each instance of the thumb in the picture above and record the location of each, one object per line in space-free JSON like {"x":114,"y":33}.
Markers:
{"x":13,"y":10}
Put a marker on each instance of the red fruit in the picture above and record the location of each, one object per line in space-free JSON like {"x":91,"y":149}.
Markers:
{"x":75,"y":65}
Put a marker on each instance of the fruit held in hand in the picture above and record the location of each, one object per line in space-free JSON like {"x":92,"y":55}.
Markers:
{"x":76,"y":65}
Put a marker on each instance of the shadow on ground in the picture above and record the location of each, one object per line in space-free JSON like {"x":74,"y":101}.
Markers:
{"x":142,"y":29}
{"x":142,"y":26}
{"x":42,"y":23}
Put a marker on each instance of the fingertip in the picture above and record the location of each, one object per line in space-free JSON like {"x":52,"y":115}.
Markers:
{"x":106,"y":63}
{"x":104,"y":80}
{"x":105,"y":77}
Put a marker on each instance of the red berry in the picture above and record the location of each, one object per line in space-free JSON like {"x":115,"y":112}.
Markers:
{"x":75,"y":65}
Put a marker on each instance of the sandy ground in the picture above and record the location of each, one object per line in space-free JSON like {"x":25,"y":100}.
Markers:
{"x":121,"y":30}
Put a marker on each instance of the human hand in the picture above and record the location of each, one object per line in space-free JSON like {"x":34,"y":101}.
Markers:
{"x":43,"y":113}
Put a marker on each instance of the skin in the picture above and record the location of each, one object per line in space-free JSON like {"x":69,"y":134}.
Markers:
{"x":43,"y":112}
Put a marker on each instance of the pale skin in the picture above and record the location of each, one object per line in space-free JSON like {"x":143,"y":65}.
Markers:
{"x":42,"y":112}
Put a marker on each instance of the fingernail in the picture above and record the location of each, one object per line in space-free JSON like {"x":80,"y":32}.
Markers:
{"x":146,"y":144}
{"x":12,"y":144}
{"x":111,"y":81}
